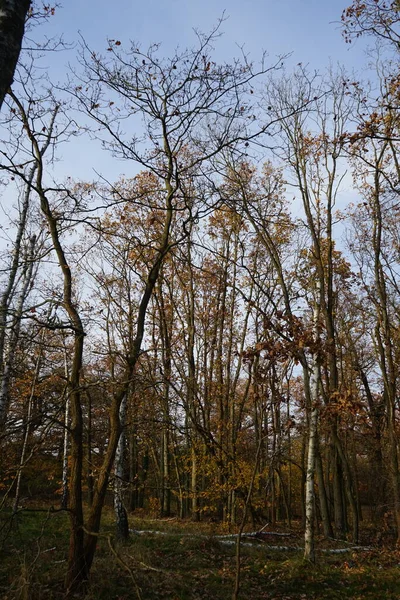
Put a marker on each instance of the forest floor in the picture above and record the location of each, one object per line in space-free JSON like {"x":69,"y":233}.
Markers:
{"x":179,"y":560}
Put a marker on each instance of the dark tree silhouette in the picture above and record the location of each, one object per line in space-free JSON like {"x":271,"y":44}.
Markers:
{"x":12,"y":26}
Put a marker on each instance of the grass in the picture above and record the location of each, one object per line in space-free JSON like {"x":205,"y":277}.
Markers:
{"x":179,"y":566}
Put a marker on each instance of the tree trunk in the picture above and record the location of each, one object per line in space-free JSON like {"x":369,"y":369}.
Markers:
{"x":12,"y":26}
{"x":64,"y":497}
{"x":323,"y":500}
{"x":309,"y":548}
{"x":121,"y":517}
{"x":7,"y":364}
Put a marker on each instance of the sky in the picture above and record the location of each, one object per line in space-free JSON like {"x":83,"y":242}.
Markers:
{"x":308,"y":30}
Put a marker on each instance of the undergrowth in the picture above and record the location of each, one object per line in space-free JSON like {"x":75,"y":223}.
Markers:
{"x":187,"y":563}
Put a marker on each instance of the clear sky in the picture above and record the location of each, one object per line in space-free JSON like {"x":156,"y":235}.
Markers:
{"x":309,"y":29}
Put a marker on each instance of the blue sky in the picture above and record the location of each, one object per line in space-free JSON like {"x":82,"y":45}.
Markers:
{"x":309,"y":29}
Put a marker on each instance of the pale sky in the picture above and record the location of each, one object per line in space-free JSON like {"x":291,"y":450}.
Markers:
{"x":309,"y":29}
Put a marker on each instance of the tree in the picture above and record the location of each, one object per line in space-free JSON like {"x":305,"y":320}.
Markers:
{"x":314,"y":159}
{"x":20,"y":272}
{"x":263,"y":203}
{"x":375,"y":248}
{"x":374,"y":154}
{"x":186,"y":102}
{"x":13,"y":14}
{"x":376,"y":18}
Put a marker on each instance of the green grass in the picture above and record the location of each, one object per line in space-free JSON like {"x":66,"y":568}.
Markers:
{"x":179,"y":567}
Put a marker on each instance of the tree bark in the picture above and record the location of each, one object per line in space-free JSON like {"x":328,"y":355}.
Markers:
{"x":309,"y":545}
{"x":121,"y":517}
{"x":12,"y":26}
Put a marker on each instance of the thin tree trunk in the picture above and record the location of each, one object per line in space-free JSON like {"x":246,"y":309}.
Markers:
{"x":15,"y":328}
{"x":309,"y":541}
{"x":64,"y":497}
{"x":323,"y":500}
{"x":27,"y":429}
{"x":309,"y":549}
{"x":121,"y":516}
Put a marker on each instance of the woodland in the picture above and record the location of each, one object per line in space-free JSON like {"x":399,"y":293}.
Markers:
{"x":199,"y":361}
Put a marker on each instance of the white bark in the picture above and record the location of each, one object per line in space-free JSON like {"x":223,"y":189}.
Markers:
{"x":121,"y":517}
{"x":64,"y":477}
{"x":7,"y":294}
{"x":8,"y":322}
{"x":309,"y":549}
{"x":7,"y":360}
{"x":64,"y":498}
{"x":309,"y":542}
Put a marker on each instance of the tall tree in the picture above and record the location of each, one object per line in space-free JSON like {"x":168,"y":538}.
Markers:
{"x":312,"y":145}
{"x":187,"y":101}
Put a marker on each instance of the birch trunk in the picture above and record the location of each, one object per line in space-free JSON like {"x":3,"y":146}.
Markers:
{"x":7,"y":294}
{"x":15,"y":328}
{"x":64,"y":497}
{"x":309,"y":541}
{"x":121,"y":517}
{"x":309,"y":549}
